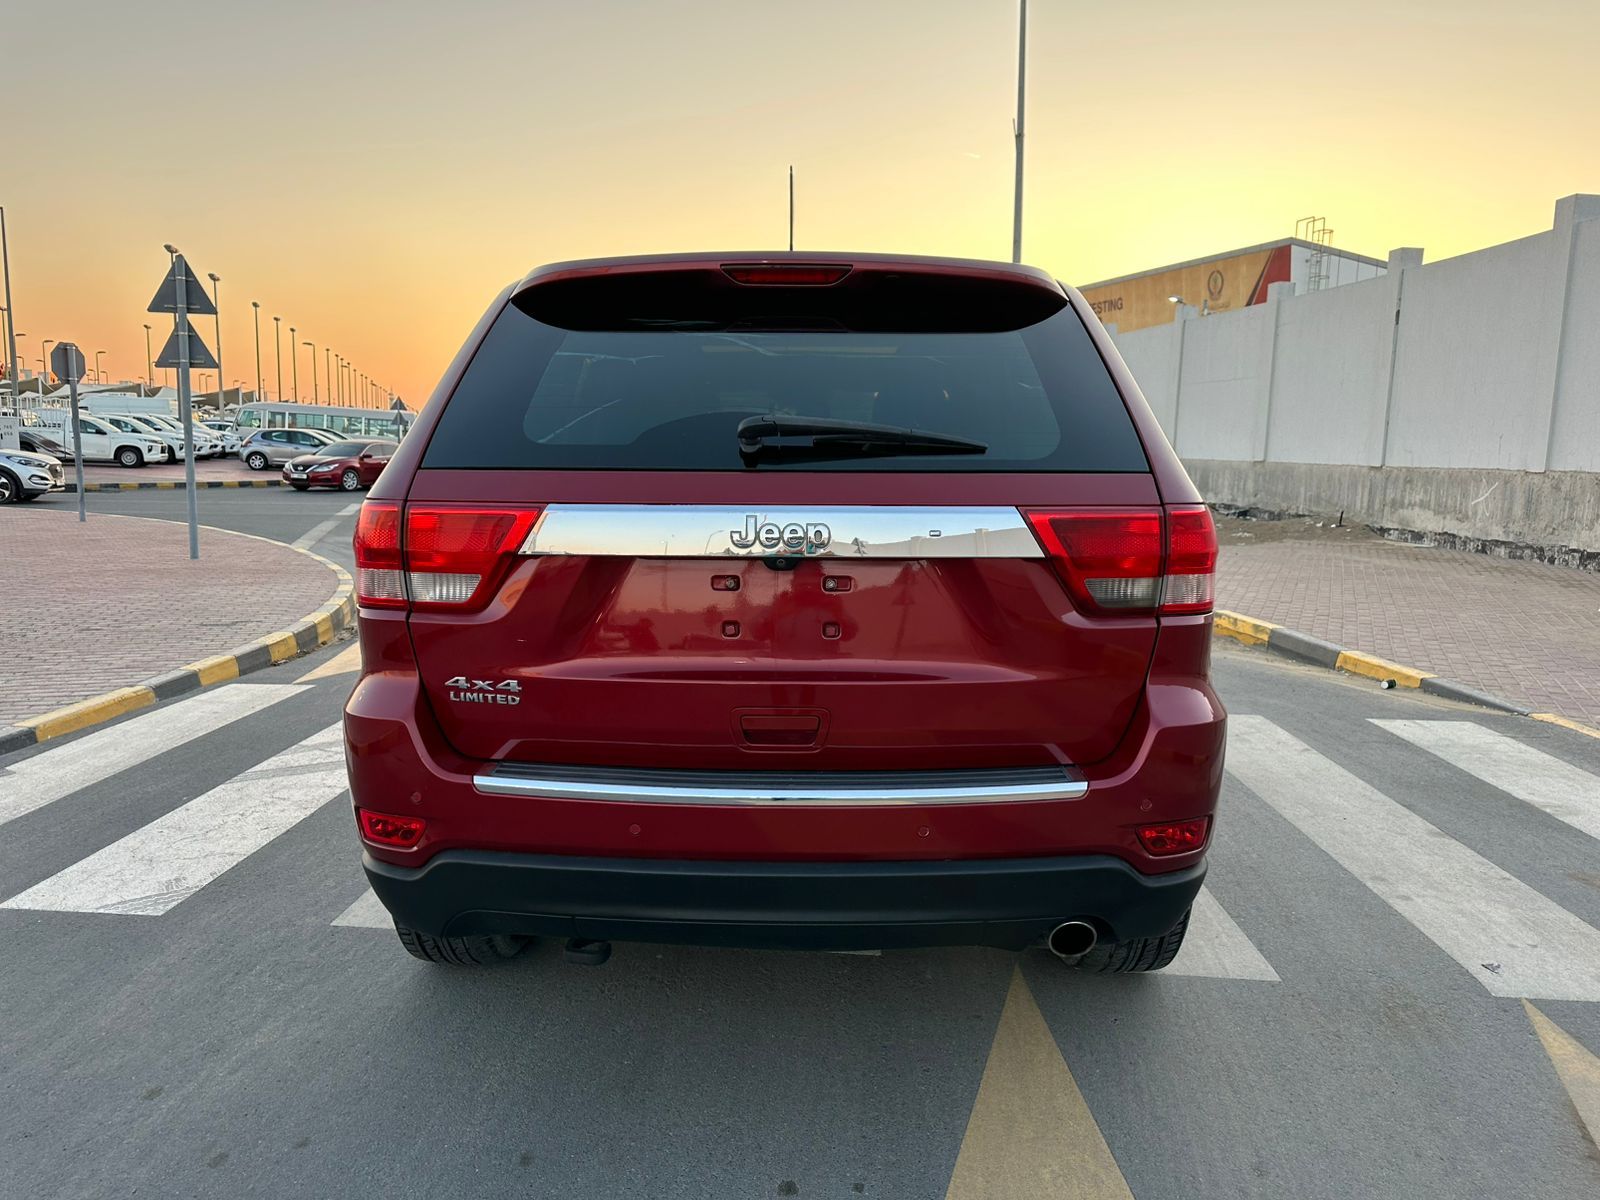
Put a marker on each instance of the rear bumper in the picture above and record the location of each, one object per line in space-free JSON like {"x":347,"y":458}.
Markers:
{"x":1007,"y":903}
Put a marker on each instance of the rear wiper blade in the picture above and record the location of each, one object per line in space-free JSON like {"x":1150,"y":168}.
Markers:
{"x":755,"y":434}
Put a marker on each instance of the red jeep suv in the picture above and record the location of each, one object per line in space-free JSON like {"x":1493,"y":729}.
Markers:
{"x":826,"y":602}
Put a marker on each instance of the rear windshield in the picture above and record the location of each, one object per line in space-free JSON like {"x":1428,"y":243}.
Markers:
{"x":539,"y":396}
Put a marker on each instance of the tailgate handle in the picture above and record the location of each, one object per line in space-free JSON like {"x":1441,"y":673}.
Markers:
{"x":780,"y":730}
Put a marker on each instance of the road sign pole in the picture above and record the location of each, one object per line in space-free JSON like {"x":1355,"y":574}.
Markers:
{"x":186,"y":406}
{"x":77,"y":446}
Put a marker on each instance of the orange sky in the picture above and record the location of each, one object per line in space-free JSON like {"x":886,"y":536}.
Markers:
{"x":376,"y":171}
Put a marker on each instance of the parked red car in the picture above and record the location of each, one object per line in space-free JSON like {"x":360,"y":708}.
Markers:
{"x":831,"y":603}
{"x":348,"y":466}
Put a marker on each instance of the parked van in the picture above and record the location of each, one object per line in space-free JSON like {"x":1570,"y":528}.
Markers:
{"x":102,"y":442}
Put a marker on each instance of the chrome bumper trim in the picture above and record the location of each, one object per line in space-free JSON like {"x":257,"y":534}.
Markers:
{"x":556,"y":788}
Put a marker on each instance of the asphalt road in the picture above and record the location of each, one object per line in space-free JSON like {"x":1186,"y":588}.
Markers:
{"x":197,"y":998}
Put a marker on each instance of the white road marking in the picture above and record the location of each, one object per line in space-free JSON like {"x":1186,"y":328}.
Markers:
{"x":350,"y":508}
{"x":160,"y":865}
{"x":367,"y":912}
{"x":321,"y":529}
{"x":1216,"y":948}
{"x":1542,"y":780}
{"x":1510,"y":938}
{"x":52,"y":774}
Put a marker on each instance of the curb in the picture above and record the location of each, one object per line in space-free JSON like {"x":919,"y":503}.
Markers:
{"x":169,"y":485}
{"x":1302,"y":647}
{"x":305,"y":635}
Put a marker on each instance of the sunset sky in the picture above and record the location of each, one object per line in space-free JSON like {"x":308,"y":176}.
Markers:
{"x":375,"y":172}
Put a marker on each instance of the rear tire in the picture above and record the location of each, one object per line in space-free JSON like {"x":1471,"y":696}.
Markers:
{"x":476,"y":950}
{"x":1138,"y":954}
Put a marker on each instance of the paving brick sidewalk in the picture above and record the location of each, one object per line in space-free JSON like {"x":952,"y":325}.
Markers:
{"x":116,"y":600}
{"x":1520,"y":630}
{"x":207,"y":468}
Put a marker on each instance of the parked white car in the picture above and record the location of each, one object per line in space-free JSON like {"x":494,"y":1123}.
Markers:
{"x":102,"y":442}
{"x":25,"y":475}
{"x":228,"y":432}
{"x":206,"y":444}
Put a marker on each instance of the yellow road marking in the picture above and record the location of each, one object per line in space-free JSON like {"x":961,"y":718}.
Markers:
{"x":1577,"y":1067}
{"x":1566,"y":723}
{"x":215,"y":670}
{"x":345,"y":662}
{"x":281,"y":646}
{"x":1031,"y":1136}
{"x":1241,"y":628}
{"x":73,"y":717}
{"x":1374,"y":667}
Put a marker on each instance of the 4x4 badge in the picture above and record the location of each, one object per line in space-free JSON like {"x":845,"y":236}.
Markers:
{"x":813,"y":537}
{"x":483,"y":691}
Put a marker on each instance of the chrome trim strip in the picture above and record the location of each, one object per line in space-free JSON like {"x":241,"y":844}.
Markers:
{"x":566,"y":789}
{"x":713,"y":531}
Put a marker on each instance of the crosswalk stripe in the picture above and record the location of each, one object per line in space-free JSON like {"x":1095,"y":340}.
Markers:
{"x":52,"y":774}
{"x":168,"y":860}
{"x":1510,"y":938}
{"x":367,"y":912}
{"x":1542,"y":780}
{"x":1216,"y":948}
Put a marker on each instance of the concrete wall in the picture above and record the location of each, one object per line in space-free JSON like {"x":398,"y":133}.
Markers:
{"x":1460,"y":397}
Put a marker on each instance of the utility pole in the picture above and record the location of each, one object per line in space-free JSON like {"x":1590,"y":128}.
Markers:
{"x":1022,"y":94}
{"x":12,"y":369}
{"x":222,"y":380}
{"x":256,"y":305}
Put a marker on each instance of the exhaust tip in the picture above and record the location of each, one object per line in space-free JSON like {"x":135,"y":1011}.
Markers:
{"x":1071,"y":940}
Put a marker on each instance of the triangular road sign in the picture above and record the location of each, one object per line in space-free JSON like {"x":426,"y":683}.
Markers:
{"x":195,"y":300}
{"x":199,"y":355}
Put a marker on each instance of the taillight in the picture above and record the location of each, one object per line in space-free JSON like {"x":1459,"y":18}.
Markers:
{"x":440,"y":557}
{"x":1174,"y":837}
{"x":1191,"y":560}
{"x":382,"y":829}
{"x":380,"y":580}
{"x":1123,"y":560}
{"x":786,"y":274}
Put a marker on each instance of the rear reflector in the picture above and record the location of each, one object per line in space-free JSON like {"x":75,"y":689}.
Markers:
{"x":1174,"y":837}
{"x":1119,"y":560}
{"x":398,"y":833}
{"x":448,"y":557}
{"x":786,"y":274}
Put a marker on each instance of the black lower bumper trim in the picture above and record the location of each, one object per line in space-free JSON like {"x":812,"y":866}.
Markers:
{"x":1009,"y":903}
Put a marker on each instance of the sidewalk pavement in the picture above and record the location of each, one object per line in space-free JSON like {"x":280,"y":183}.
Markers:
{"x":115,"y":601}
{"x":1521,"y":630}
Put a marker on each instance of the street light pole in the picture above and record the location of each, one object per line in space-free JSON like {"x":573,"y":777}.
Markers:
{"x":1022,"y":92}
{"x":12,"y":368}
{"x":44,"y":365}
{"x":149,"y":361}
{"x":294,"y":363}
{"x":277,"y":351}
{"x":256,"y":306}
{"x":222,"y":385}
{"x":97,"y":372}
{"x":327,"y":363}
{"x":314,"y":398}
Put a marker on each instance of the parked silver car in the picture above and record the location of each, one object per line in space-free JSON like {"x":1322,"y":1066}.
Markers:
{"x":274,"y":447}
